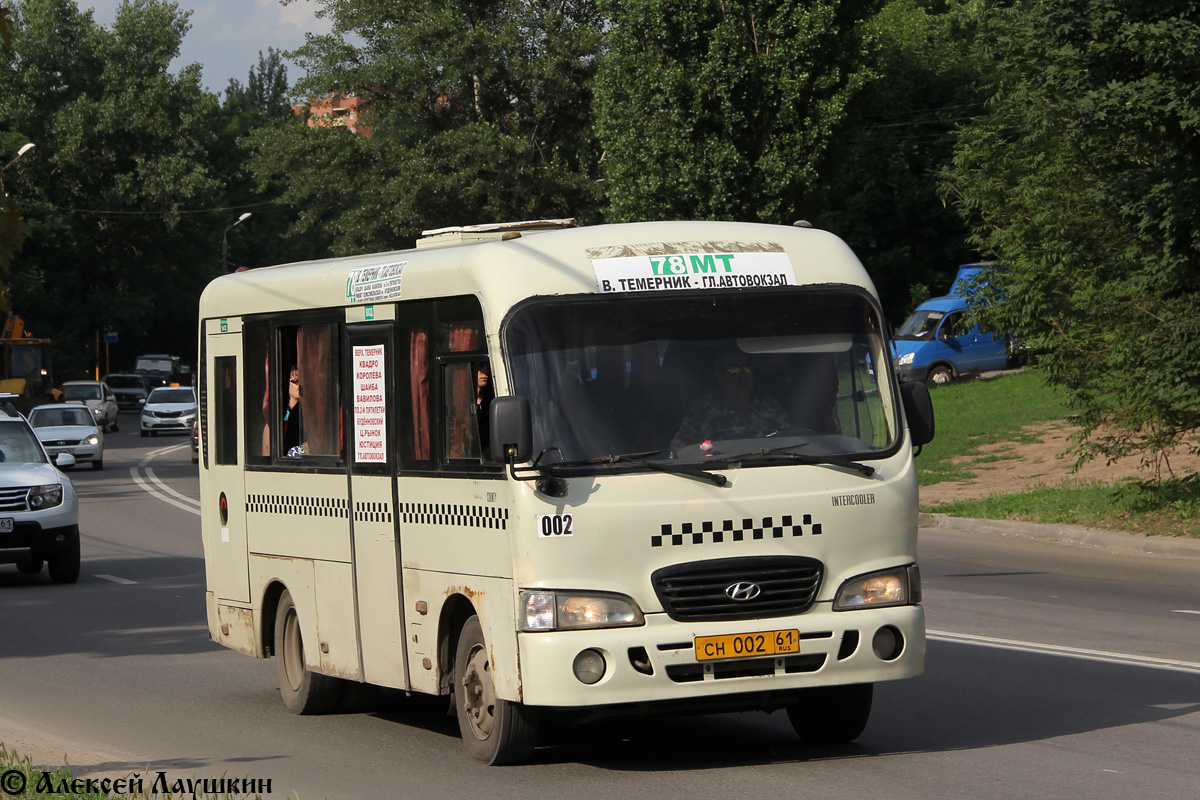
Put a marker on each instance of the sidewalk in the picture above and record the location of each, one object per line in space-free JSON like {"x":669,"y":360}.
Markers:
{"x":1076,"y":534}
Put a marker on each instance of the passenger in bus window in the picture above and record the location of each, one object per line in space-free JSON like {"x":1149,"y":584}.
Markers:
{"x":732,"y":411}
{"x":483,"y":399}
{"x":293,"y":443}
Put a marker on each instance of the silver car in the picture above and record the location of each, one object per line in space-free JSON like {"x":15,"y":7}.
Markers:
{"x":169,"y":409}
{"x":39,"y":511}
{"x":69,"y":428}
{"x":98,"y":397}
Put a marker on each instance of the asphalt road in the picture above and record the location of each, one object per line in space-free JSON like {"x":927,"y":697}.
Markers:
{"x":1053,"y":670}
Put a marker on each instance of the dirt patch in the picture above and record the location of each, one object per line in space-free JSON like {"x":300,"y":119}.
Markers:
{"x":1036,"y":461}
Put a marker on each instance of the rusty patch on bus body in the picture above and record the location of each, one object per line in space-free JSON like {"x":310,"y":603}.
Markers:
{"x":470,"y":593}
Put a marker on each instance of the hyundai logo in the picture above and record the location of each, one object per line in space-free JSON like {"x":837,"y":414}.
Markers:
{"x":743,"y":590}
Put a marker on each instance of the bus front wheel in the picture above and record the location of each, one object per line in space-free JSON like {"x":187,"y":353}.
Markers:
{"x":829,"y":715}
{"x":494,"y":731}
{"x":303,"y":691}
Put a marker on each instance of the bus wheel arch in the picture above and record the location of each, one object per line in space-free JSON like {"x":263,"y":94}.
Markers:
{"x":455,"y":612}
{"x":270,"y":607}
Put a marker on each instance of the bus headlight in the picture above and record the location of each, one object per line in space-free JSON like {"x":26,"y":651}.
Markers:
{"x":894,"y":587}
{"x":558,"y":611}
{"x":906,"y":359}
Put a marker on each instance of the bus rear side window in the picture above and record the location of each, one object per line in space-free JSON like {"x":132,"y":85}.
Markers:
{"x":225,"y":369}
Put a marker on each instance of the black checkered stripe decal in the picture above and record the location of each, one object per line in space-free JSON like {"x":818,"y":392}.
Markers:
{"x":296,"y":505}
{"x":454,"y":514}
{"x":735,"y":531}
{"x":372,"y":512}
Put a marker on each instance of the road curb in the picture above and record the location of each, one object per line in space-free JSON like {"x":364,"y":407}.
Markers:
{"x":1076,"y":534}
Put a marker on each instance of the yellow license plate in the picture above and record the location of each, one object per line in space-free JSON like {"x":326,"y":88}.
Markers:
{"x":747,"y":645}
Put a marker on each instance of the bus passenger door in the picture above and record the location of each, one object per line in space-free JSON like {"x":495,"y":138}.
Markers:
{"x":370,"y":420}
{"x":221,"y":473}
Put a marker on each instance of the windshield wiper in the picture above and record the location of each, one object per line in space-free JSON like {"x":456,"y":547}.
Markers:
{"x":800,"y":458}
{"x":637,"y":460}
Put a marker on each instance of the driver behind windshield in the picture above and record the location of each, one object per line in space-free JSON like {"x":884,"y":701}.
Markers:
{"x":731,"y":410}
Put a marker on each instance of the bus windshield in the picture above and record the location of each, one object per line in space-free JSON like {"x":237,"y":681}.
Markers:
{"x":695,"y":378}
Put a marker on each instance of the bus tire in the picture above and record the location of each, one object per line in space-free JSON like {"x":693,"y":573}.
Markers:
{"x":494,"y":731}
{"x":829,"y":715}
{"x":303,"y":691}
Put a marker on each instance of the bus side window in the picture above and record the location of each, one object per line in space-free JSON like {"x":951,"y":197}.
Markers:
{"x":225,"y":396}
{"x":414,"y":376}
{"x":460,"y":427}
{"x":316,"y":361}
{"x":257,"y":393}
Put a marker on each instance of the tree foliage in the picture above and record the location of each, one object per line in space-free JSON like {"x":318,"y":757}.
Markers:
{"x":479,"y":110}
{"x":265,"y":91}
{"x":1082,"y":181}
{"x":899,"y":135}
{"x":725,"y":109}
{"x":122,"y":162}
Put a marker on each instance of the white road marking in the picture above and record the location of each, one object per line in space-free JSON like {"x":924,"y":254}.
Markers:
{"x":115,"y":579}
{"x":1185,"y":611}
{"x":168,"y":490}
{"x":1068,"y":652}
{"x":156,"y":488}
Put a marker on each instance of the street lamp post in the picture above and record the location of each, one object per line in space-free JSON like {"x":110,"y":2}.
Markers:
{"x":25,"y":148}
{"x":225,"y":241}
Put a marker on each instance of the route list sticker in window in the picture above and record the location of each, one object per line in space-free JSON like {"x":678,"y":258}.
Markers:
{"x":370,"y":413}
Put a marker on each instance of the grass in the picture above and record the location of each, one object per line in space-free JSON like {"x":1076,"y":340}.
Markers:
{"x":1154,"y":508}
{"x":972,"y":414}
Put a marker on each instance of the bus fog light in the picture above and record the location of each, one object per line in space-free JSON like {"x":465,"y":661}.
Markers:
{"x":589,"y":666}
{"x":888,"y":643}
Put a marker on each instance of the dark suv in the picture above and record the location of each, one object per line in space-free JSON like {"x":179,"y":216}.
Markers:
{"x":131,"y":389}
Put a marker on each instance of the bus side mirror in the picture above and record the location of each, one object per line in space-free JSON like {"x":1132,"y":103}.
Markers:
{"x":918,"y":408}
{"x":511,"y":430}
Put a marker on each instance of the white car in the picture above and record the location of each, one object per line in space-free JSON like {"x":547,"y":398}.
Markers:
{"x":39,"y":511}
{"x":98,"y":397}
{"x":69,"y":428}
{"x":169,"y":409}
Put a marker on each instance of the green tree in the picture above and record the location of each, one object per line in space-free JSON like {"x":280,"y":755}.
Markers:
{"x":725,"y":108}
{"x":260,"y":103}
{"x":1082,"y":182}
{"x":899,"y":136}
{"x":122,"y":165}
{"x":12,"y":227}
{"x":478,"y":111}
{"x":266,"y":89}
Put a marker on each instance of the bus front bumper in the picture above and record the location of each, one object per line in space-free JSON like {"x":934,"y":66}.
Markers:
{"x":658,"y":662}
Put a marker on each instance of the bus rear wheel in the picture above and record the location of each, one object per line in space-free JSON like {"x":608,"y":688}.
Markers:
{"x":494,"y":731}
{"x":829,"y":715}
{"x":303,"y":691}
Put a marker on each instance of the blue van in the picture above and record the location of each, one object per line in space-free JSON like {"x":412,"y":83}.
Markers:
{"x":935,"y":344}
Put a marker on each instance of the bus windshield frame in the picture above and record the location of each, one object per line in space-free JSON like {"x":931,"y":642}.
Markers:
{"x":698,"y":378}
